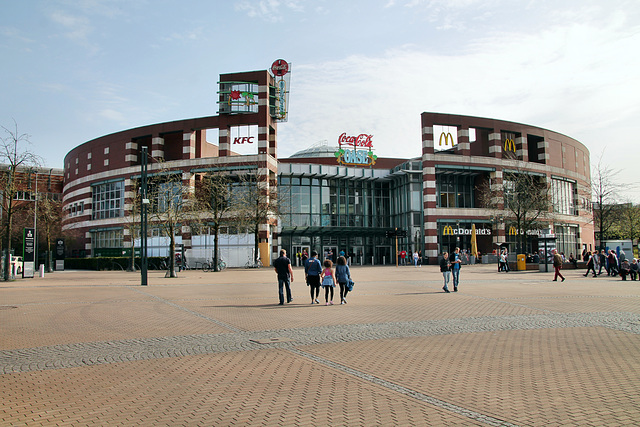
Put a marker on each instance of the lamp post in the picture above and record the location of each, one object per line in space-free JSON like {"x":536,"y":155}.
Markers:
{"x":143,"y":217}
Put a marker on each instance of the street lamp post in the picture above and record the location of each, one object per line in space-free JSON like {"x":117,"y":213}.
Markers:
{"x":143,"y":217}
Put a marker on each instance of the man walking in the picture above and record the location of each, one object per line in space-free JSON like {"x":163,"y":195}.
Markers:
{"x":312,"y":271}
{"x":602,"y":262}
{"x":456,"y":262}
{"x":557,"y":265}
{"x":282,"y":266}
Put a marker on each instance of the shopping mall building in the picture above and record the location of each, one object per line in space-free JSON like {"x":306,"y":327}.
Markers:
{"x":340,"y":196}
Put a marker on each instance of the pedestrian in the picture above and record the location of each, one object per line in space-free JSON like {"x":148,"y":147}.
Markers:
{"x":613,"y":263}
{"x":502,"y":263}
{"x":282,"y":266}
{"x":343,"y":275}
{"x":633,"y":269}
{"x":455,"y":261}
{"x":420,"y":259}
{"x":403,"y":256}
{"x":590,"y":264}
{"x":445,"y":268}
{"x":415,"y":259}
{"x":328,"y":281}
{"x":625,"y":269}
{"x":602,"y":258}
{"x":557,"y":264}
{"x":312,"y":272}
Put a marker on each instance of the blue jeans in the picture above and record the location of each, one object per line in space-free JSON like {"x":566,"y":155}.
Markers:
{"x":287,"y":283}
{"x":447,"y":276}
{"x":456,"y":277}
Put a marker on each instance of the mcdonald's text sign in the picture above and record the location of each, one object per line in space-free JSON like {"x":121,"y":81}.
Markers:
{"x":449,"y":230}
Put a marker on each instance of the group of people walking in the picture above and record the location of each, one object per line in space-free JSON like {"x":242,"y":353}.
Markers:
{"x":612,"y":264}
{"x":317,"y":275}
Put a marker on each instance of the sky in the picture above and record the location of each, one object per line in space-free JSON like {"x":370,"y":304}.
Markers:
{"x":75,"y":70}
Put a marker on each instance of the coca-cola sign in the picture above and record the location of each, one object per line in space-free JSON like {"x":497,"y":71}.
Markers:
{"x":280,"y":67}
{"x":362,"y":140}
{"x":358,"y":150}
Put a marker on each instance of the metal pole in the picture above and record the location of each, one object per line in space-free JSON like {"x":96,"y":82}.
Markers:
{"x":143,"y":217}
{"x":35,"y":233}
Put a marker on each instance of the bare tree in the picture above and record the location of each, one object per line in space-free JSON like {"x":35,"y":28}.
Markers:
{"x":604,"y":189}
{"x":15,"y":156}
{"x":215,"y":202}
{"x":132,"y":221}
{"x":172,"y":206}
{"x":258,"y":204}
{"x":523,"y":198}
{"x":50,"y":218}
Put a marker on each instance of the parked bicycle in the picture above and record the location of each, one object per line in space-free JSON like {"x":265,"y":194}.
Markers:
{"x":253,"y":264}
{"x":209,"y":266}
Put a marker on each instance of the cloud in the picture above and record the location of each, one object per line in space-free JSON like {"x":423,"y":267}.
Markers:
{"x":113,"y":115}
{"x":76,"y":28}
{"x":579,"y":79}
{"x":269,"y":10}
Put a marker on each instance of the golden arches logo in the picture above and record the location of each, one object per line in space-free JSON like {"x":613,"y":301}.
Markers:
{"x":446,"y":136}
{"x":512,"y":231}
{"x":509,"y":145}
{"x":447,"y":231}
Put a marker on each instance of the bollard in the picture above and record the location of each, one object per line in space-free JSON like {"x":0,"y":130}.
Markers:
{"x":41,"y":270}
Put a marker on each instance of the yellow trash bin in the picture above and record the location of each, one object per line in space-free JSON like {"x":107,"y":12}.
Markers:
{"x":521,"y":262}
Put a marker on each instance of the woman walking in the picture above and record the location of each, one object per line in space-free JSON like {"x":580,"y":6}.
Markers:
{"x":328,"y":281}
{"x":343,"y":275}
{"x":590,"y":265}
{"x":445,"y":268}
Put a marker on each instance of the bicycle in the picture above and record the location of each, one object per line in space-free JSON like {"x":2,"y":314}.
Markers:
{"x":208,"y":266}
{"x":251,"y":264}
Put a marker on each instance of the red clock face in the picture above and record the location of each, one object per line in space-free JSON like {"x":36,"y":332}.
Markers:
{"x":280,"y":67}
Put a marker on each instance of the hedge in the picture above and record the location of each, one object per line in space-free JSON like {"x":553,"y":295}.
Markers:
{"x":109,"y":263}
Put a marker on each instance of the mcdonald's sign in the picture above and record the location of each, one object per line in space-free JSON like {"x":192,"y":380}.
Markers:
{"x":509,"y":145}
{"x":446,"y":137}
{"x":447,"y":231}
{"x":512,"y":231}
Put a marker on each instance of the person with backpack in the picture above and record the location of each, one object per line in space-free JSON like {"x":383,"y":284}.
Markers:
{"x":312,"y":271}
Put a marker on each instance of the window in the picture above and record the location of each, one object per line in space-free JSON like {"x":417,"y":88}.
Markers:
{"x":106,"y":239}
{"x":108,"y":200}
{"x":454,"y":191}
{"x":562,"y":196}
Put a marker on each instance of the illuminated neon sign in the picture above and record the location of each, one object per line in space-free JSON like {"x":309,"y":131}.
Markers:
{"x":356,"y":150}
{"x":281,"y":70}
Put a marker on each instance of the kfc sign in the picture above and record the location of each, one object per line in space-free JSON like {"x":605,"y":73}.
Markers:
{"x":358,"y":151}
{"x":243,"y":139}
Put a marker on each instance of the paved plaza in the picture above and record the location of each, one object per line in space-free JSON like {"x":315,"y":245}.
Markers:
{"x":216,"y":349}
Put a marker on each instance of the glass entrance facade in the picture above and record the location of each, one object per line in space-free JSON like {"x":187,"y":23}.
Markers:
{"x":340,"y":210}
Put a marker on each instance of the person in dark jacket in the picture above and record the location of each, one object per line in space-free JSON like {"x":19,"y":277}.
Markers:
{"x":343,"y":275}
{"x":445,"y":268}
{"x":312,"y":271}
{"x":282,"y":267}
{"x":591,"y":264}
{"x":633,"y":269}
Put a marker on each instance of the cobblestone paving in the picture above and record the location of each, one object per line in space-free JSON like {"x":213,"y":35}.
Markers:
{"x":95,"y":353}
